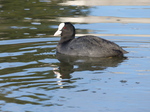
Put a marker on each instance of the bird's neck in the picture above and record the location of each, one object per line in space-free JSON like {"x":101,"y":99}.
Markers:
{"x":65,"y":39}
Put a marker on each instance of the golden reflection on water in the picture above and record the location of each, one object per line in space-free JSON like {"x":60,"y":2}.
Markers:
{"x":103,"y":19}
{"x":107,"y":2}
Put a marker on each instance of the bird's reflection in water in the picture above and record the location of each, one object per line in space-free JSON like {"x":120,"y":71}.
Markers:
{"x":70,"y":64}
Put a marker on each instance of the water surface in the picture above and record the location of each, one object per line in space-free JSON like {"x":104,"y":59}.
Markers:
{"x":34,"y":79}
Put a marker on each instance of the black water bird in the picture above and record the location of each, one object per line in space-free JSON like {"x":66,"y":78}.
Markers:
{"x":89,"y":46}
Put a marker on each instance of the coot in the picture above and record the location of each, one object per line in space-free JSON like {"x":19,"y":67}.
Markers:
{"x":90,"y":46}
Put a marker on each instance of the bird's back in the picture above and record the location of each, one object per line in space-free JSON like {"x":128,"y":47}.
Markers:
{"x":92,"y":46}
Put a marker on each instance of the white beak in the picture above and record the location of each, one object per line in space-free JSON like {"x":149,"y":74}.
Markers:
{"x":57,"y":33}
{"x":60,"y":27}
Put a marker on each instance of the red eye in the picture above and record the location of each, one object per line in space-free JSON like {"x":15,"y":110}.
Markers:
{"x":64,"y":27}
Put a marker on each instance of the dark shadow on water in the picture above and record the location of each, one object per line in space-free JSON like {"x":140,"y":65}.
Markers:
{"x":70,"y":64}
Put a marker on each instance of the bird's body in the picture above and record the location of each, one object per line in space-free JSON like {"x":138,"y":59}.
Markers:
{"x":90,"y":46}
